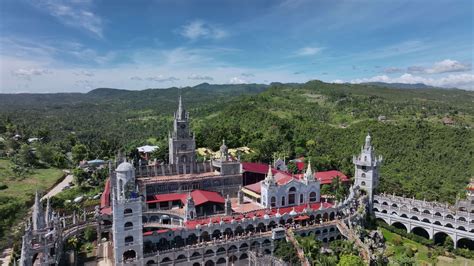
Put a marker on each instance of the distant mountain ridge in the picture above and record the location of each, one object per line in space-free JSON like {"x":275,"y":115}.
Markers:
{"x":402,"y":85}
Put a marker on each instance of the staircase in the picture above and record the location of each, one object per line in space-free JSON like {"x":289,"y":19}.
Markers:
{"x":299,"y":251}
{"x":351,"y":235}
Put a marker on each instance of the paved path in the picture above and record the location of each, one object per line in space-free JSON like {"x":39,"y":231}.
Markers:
{"x":59,"y":187}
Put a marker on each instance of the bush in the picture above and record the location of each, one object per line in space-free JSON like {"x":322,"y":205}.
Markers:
{"x":403,"y":233}
{"x":3,"y":186}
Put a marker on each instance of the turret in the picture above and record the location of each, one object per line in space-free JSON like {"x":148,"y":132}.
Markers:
{"x":367,"y":168}
{"x":309,"y":176}
{"x":224,"y":152}
{"x":269,"y":179}
{"x":190,"y":208}
{"x":228,"y":206}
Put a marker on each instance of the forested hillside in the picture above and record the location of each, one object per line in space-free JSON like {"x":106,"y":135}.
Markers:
{"x":325,"y":122}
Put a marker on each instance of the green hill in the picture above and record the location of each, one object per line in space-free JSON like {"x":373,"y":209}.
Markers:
{"x":325,"y":122}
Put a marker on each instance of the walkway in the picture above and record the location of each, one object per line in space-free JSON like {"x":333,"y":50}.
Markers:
{"x":351,"y":235}
{"x":299,"y":251}
{"x":59,"y":187}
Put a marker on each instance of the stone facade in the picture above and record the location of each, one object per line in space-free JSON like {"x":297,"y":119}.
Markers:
{"x":367,"y":166}
{"x":294,"y":192}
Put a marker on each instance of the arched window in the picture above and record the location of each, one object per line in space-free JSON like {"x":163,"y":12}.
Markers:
{"x":292,"y":196}
{"x":363,"y":183}
{"x":283,"y":201}
{"x":129,"y":239}
{"x":312,"y":196}
{"x":365,"y":158}
{"x":301,"y":198}
{"x":184,"y":159}
{"x":273,"y":202}
{"x":127,"y":211}
{"x":128,"y":225}
{"x":363,"y":174}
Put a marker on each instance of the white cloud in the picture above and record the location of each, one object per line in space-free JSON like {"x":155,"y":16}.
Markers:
{"x":76,"y":14}
{"x":307,"y":51}
{"x":200,"y":29}
{"x":199,"y":77}
{"x":448,"y":65}
{"x":237,"y":80}
{"x":461,"y":81}
{"x":28,"y":73}
{"x":390,"y":70}
{"x":158,"y":78}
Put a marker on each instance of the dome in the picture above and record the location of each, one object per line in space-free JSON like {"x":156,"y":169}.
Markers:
{"x":278,"y":215}
{"x":125,"y":167}
{"x":266,"y":217}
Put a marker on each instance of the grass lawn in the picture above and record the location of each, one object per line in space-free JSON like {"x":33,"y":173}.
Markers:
{"x":24,"y":189}
{"x":422,"y":255}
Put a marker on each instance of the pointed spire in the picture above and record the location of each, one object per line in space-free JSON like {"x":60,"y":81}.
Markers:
{"x":309,"y":173}
{"x":38,"y":218}
{"x":367,"y":140}
{"x":47,"y":214}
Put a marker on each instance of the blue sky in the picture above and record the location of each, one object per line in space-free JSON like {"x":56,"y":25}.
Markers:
{"x":79,"y":45}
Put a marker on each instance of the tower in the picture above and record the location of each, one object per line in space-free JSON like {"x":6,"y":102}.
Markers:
{"x":367,"y":168}
{"x":182,"y":144}
{"x":190,"y":208}
{"x":38,"y":214}
{"x":127,"y":217}
{"x":228,"y":206}
{"x":313,"y":187}
{"x":268,"y":189}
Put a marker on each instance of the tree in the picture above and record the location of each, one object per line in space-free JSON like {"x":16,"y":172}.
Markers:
{"x":350,"y":260}
{"x":80,"y":176}
{"x":79,"y":152}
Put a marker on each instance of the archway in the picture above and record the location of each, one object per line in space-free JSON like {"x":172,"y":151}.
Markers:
{"x":249,"y":228}
{"x":221,"y":261}
{"x":209,"y":263}
{"x":415,"y":218}
{"x":243,"y":256}
{"x":150,"y":262}
{"x":400,"y":226}
{"x":243,"y":247}
{"x":420,"y":232}
{"x":178,"y":241}
{"x":440,"y":238}
{"x":192,"y":239}
{"x":228,"y":232}
{"x":466,"y":243}
{"x":232,"y":248}
{"x":239,"y":230}
{"x":129,"y":255}
{"x":232,"y":259}
{"x":216,"y":234}
{"x":209,"y":253}
{"x":220,"y":250}
{"x":205,"y":236}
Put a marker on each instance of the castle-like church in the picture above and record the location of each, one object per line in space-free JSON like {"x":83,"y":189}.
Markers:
{"x":224,"y":211}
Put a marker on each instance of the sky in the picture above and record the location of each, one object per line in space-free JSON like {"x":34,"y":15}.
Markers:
{"x":80,"y":45}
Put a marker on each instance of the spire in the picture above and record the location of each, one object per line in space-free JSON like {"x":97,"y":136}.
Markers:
{"x":269,"y":179}
{"x":309,"y":172}
{"x":181,"y":114}
{"x":47,"y":213}
{"x":38,"y":219}
{"x":367,"y":141}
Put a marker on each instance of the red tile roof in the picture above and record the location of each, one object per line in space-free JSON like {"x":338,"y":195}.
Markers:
{"x":105,"y":197}
{"x":258,"y":213}
{"x":326,"y":177}
{"x":259,"y":168}
{"x":199,"y":197}
{"x":203,"y":196}
{"x":167,"y":197}
{"x":281,"y":178}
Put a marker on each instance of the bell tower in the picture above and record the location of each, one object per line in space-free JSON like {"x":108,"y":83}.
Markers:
{"x":367,"y":168}
{"x":182,"y":144}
